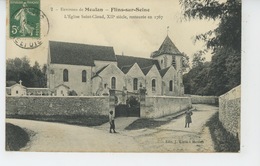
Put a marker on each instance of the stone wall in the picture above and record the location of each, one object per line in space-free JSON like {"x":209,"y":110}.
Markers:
{"x":52,"y":105}
{"x":196,"y":99}
{"x":229,"y":110}
{"x":154,"y":107}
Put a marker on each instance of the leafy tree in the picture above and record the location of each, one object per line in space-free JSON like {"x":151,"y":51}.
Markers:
{"x":224,"y":71}
{"x":198,"y":60}
{"x":228,"y":33}
{"x":185,"y":62}
{"x":20,"y":69}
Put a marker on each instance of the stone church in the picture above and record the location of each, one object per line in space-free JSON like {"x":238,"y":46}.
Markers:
{"x":91,"y":70}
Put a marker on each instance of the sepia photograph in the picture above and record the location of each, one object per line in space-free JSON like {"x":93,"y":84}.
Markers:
{"x":123,"y":76}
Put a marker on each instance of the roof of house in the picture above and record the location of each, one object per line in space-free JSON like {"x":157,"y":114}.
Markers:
{"x":17,"y":85}
{"x":164,"y":71}
{"x":145,"y":70}
{"x":126,"y":61}
{"x":99,"y":71}
{"x":167,"y":47}
{"x":63,"y":86}
{"x":125,"y":69}
{"x":79,"y":54}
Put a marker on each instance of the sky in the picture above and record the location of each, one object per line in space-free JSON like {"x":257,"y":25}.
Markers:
{"x":133,"y":37}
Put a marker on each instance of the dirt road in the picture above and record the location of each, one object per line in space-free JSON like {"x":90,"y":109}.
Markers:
{"x":171,"y":137}
{"x":174,"y":137}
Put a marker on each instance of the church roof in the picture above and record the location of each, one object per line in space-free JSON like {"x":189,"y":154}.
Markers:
{"x":99,"y":71}
{"x":164,"y":71}
{"x":127,"y":61}
{"x":145,"y":70}
{"x":167,"y":47}
{"x":125,"y":69}
{"x":79,"y":54}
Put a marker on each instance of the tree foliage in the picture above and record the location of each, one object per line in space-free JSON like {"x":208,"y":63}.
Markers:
{"x":185,"y":62}
{"x":228,"y":32}
{"x":20,"y":69}
{"x":198,"y":60}
{"x":224,"y":71}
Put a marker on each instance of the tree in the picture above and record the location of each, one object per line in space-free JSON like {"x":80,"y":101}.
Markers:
{"x":20,"y":69}
{"x":228,"y":33}
{"x":185,"y":62}
{"x":224,"y":71}
{"x":198,"y":60}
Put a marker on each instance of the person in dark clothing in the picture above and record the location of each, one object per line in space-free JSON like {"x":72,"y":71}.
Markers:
{"x":188,"y":118}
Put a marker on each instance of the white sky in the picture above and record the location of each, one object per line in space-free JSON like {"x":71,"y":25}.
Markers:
{"x":132,"y":37}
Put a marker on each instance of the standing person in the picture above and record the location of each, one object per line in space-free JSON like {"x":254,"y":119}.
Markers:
{"x":112,"y":122}
{"x":188,"y":118}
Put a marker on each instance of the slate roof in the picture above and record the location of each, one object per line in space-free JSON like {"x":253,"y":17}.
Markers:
{"x":126,"y":61}
{"x":79,"y":54}
{"x":125,"y":69}
{"x":145,"y":70}
{"x":99,"y":71}
{"x":163,"y":71}
{"x":167,"y":47}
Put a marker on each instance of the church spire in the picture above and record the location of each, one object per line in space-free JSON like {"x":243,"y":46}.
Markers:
{"x":167,"y":30}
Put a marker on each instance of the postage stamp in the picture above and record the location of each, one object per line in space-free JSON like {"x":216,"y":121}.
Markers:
{"x":29,"y":25}
{"x":25,"y":18}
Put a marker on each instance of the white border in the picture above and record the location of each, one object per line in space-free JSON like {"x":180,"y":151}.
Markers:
{"x":250,"y":145}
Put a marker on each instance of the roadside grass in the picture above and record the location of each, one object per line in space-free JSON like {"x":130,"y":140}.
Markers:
{"x":94,"y":120}
{"x":223,"y":140}
{"x":146,"y":123}
{"x":16,"y":137}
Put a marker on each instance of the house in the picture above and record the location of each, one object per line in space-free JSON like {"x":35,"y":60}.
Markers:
{"x":62,"y":90}
{"x":93,"y":70}
{"x":17,"y":89}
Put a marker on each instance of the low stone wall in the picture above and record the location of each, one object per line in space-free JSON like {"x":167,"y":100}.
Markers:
{"x":50,"y":105}
{"x":154,"y":107}
{"x":229,"y":110}
{"x":196,"y":99}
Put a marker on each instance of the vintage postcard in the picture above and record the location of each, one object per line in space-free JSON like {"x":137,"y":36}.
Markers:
{"x":123,"y":76}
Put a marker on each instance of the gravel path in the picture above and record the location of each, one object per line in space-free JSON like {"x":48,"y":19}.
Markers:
{"x":174,"y":137}
{"x":171,"y":137}
{"x":57,"y":137}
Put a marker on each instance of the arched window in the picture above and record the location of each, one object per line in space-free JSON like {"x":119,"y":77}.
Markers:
{"x":113,"y":83}
{"x":170,"y":86}
{"x":84,"y":76}
{"x":65,"y":75}
{"x":135,"y":84}
{"x":153,"y":84}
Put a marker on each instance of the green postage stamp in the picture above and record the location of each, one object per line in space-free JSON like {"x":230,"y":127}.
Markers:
{"x":25,"y":18}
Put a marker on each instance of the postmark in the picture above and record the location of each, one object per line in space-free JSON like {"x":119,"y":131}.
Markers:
{"x":28,"y":24}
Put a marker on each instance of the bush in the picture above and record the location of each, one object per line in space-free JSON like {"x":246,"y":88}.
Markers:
{"x":16,"y":137}
{"x":223,"y":140}
{"x":73,"y":93}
